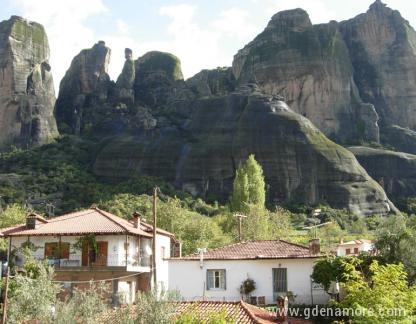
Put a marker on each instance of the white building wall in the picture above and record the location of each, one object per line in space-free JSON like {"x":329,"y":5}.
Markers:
{"x":362,"y":247}
{"x":162,"y":264}
{"x":116,"y":254}
{"x":189,"y":279}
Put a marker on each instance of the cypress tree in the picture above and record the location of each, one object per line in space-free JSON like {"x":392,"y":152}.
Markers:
{"x":249,"y":186}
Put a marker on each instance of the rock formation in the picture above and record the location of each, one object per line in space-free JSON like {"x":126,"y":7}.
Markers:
{"x":27,"y":95}
{"x":84,"y":87}
{"x":382,"y":48}
{"x":309,"y":66}
{"x":194,"y":133}
{"x":125,"y":81}
{"x":300,"y":164}
{"x":395,"y":171}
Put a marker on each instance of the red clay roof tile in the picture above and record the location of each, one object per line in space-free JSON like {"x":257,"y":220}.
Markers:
{"x":86,"y":221}
{"x":261,"y":249}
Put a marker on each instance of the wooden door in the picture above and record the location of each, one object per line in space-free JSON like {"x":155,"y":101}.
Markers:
{"x":85,"y":254}
{"x":101,"y":256}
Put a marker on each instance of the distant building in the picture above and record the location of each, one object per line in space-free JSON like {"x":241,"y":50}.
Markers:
{"x":93,"y":244}
{"x":277,"y":267}
{"x":354,"y":247}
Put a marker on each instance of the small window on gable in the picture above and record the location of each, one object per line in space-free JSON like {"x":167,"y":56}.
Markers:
{"x":216,"y":279}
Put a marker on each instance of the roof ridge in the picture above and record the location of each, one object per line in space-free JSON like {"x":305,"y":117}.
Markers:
{"x":103,"y":212}
{"x":296,"y":244}
{"x":248,"y":312}
{"x":221,"y":247}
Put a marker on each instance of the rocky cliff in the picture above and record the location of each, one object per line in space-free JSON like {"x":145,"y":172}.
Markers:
{"x":349,"y":78}
{"x":84,"y":89}
{"x":382,"y":48}
{"x":194,"y":133}
{"x":309,"y":65}
{"x":27,"y":95}
{"x":395,"y":171}
{"x":200,"y":154}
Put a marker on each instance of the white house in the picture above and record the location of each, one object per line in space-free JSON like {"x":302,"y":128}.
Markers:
{"x":276,"y":266}
{"x":93,"y":244}
{"x":354,"y":247}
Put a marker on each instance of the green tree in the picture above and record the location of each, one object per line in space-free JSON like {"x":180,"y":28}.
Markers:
{"x":249,"y":186}
{"x":32,"y":294}
{"x":395,"y":241}
{"x":382,"y":297}
{"x":12,"y":215}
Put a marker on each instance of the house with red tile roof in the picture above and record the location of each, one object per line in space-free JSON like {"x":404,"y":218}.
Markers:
{"x":354,"y":247}
{"x":277,"y":267}
{"x":93,"y":244}
{"x":198,"y":311}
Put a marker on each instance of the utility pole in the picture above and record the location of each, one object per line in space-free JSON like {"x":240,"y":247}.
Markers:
{"x":155,"y":190}
{"x":316,"y":213}
{"x":240,"y":218}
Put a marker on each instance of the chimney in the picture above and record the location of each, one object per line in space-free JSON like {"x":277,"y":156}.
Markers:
{"x":137,"y":217}
{"x":314,"y":246}
{"x":34,"y":220}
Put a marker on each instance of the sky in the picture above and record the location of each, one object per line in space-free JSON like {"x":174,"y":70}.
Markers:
{"x":204,"y":34}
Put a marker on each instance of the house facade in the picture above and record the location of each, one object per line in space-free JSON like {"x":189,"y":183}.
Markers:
{"x":93,"y":244}
{"x":277,"y":267}
{"x":354,"y":248}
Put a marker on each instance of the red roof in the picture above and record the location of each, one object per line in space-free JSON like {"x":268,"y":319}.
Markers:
{"x":261,"y":249}
{"x":237,"y":312}
{"x":86,"y":221}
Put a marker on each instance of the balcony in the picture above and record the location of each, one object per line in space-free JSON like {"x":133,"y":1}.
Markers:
{"x":141,"y":264}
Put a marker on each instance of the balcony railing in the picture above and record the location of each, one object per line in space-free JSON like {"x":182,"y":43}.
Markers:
{"x":112,"y":261}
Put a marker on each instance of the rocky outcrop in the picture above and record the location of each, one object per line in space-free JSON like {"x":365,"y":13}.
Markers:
{"x":125,"y":81}
{"x":395,"y":171}
{"x":27,"y":95}
{"x":300,"y":164}
{"x":85,"y":86}
{"x":309,"y":65}
{"x":382,"y":48}
{"x":207,"y":83}
{"x":157,"y":76}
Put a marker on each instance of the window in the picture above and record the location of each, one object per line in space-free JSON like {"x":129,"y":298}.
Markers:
{"x":348,"y":251}
{"x":355,"y":250}
{"x":52,"y":250}
{"x":279,"y":280}
{"x":216,"y":279}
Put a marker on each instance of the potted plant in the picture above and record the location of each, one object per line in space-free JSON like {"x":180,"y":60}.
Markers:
{"x":247,"y":287}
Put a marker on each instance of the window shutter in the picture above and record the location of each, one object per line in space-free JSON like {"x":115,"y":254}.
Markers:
{"x":210,"y":279}
{"x":223,"y":279}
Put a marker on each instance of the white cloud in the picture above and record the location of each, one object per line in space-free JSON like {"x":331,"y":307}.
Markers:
{"x":194,"y":45}
{"x":64,"y":22}
{"x":318,"y":10}
{"x":234,"y":22}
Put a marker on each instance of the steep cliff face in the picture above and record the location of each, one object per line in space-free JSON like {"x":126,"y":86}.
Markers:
{"x":395,"y":171}
{"x":382,"y":47}
{"x":300,"y":164}
{"x":85,"y":86}
{"x":27,"y":95}
{"x":309,"y":65}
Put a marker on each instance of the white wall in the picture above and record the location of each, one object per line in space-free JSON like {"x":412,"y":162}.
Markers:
{"x":162,"y":264}
{"x":189,"y":279}
{"x":116,"y":255}
{"x":362,"y":247}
